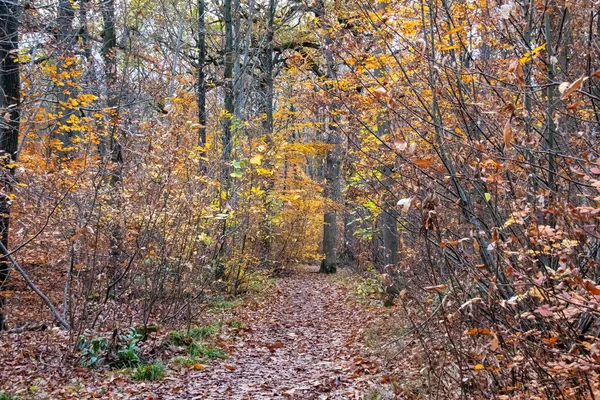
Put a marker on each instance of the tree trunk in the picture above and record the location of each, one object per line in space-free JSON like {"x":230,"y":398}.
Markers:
{"x":267,"y":66}
{"x":229,"y":95}
{"x":332,"y":190}
{"x":226,"y":139}
{"x":109,"y":54}
{"x":333,"y":193}
{"x":9,"y":128}
{"x":201,"y":86}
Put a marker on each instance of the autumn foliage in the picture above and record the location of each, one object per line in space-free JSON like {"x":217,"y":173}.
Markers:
{"x":456,"y":142}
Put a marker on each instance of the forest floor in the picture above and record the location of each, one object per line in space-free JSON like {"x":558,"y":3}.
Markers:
{"x":301,"y":338}
{"x":300,"y":343}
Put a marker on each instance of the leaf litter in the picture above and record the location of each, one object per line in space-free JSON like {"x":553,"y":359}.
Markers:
{"x":301,"y":340}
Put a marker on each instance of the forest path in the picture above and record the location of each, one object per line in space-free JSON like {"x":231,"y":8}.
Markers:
{"x":300,"y":343}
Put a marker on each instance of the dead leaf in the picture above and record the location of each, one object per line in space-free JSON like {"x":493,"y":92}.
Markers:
{"x":544,"y":311}
{"x":437,"y":289}
{"x":495,"y":343}
{"x":591,"y":288}
{"x":572,"y":88}
{"x":422,"y":162}
{"x":550,"y":340}
{"x":380,"y":92}
{"x":507,"y":133}
{"x":516,"y":68}
{"x":405,"y":203}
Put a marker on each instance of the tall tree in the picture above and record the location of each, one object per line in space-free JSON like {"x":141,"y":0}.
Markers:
{"x":201,"y":84}
{"x":268,"y":74}
{"x":333,"y":190}
{"x":115,"y":157}
{"x":388,"y":224}
{"x":228,"y":64}
{"x":9,"y":125}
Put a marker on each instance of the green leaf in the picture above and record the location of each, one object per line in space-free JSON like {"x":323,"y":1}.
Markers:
{"x":488,"y":196}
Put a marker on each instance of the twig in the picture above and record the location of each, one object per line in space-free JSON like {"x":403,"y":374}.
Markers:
{"x":33,"y":287}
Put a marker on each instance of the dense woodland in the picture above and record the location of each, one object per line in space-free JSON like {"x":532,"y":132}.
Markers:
{"x":441,"y":155}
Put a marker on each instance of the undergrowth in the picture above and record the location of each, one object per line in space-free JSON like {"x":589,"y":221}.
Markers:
{"x":149,"y":372}
{"x":8,"y":396}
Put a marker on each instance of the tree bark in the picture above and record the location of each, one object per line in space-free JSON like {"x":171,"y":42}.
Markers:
{"x":9,"y":127}
{"x":201,"y":86}
{"x":332,"y":190}
{"x":109,"y":55}
{"x":267,"y":66}
{"x":229,"y":95}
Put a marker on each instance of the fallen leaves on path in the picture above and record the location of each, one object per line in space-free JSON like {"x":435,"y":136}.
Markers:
{"x":300,"y":341}
{"x":300,"y":344}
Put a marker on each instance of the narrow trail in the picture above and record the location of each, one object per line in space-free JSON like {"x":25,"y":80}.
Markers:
{"x":299,"y":344}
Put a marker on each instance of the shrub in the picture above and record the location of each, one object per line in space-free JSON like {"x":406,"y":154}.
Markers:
{"x":8,"y":396}
{"x":95,"y":352}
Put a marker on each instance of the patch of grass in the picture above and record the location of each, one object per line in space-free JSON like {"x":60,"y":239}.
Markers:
{"x":206,"y":331}
{"x":8,"y":396}
{"x":377,"y":393}
{"x":220,"y":303}
{"x":186,"y":337}
{"x":236,"y":324}
{"x":186,"y":360}
{"x":258,"y":281}
{"x":149,"y":372}
{"x":206,"y":351}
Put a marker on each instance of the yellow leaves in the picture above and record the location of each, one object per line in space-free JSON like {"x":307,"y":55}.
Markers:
{"x":263,"y":171}
{"x":478,"y":367}
{"x":86,"y":98}
{"x":73,"y":119}
{"x":225,"y":114}
{"x":448,"y":48}
{"x":452,"y":31}
{"x":530,"y":55}
{"x":256,"y":159}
